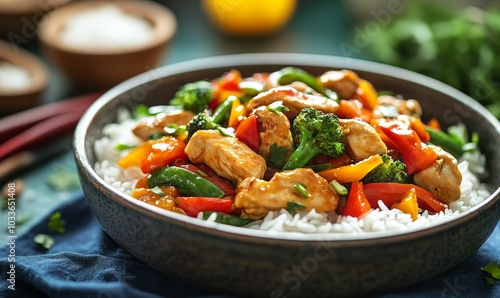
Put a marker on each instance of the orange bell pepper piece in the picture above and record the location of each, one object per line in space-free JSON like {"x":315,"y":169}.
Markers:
{"x":352,"y":172}
{"x":367,"y":95}
{"x":154,"y":154}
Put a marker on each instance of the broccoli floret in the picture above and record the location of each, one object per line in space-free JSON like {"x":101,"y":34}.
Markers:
{"x":194,"y":96}
{"x":389,"y":171}
{"x":201,"y":121}
{"x":204,"y":121}
{"x":317,"y":132}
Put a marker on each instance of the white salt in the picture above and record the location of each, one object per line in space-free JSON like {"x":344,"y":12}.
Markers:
{"x":106,"y":28}
{"x":13,"y":77}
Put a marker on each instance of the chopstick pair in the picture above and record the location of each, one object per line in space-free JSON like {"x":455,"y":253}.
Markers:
{"x":31,"y":128}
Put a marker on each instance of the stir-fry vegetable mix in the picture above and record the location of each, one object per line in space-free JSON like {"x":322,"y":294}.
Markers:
{"x":235,"y":148}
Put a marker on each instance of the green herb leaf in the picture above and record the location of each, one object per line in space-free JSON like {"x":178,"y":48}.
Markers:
{"x":277,"y":107}
{"x":44,"y":241}
{"x":140,"y":111}
{"x":277,"y":155}
{"x":56,"y":223}
{"x":293,"y":206}
{"x":493,"y":269}
{"x":63,"y":180}
{"x":175,"y":129}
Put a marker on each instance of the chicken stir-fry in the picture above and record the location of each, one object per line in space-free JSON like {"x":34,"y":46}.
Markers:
{"x":256,"y":196}
{"x":290,"y":140}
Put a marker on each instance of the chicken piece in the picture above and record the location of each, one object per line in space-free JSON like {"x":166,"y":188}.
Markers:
{"x":227,"y":156}
{"x":275,"y":129}
{"x":256,"y":197}
{"x":409,"y":107}
{"x":294,"y":100}
{"x":442,"y":178}
{"x":156,"y":124}
{"x":343,"y":82}
{"x":304,"y":88}
{"x":361,"y":139}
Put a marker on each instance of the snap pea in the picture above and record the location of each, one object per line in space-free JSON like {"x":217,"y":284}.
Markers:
{"x":227,"y":219}
{"x":187,"y":182}
{"x":221,"y":113}
{"x":290,"y":74}
{"x":446,"y":141}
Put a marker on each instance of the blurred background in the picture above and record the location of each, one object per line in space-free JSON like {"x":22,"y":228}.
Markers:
{"x":457,"y":42}
{"x":454,"y":41}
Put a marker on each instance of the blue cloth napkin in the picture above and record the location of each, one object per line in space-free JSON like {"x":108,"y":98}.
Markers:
{"x":86,"y":262}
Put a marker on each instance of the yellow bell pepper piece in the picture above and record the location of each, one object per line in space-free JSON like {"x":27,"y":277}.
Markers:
{"x":238,"y":112}
{"x":353,"y":172}
{"x":408,"y":204}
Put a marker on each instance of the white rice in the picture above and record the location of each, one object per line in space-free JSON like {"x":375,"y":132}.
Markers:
{"x":471,"y":165}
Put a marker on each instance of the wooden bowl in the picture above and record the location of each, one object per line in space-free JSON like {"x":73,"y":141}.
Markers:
{"x":18,"y":99}
{"x":19,"y":19}
{"x":93,"y":69}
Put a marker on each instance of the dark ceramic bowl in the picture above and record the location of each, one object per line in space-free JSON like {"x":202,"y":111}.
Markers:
{"x":254,"y":263}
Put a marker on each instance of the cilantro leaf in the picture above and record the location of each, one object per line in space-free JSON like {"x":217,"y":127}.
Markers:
{"x":56,"y":223}
{"x":277,"y":156}
{"x":493,"y":270}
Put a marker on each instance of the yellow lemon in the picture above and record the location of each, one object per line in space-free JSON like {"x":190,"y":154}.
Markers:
{"x":249,"y":17}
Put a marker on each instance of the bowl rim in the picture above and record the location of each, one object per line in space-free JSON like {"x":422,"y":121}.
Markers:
{"x":162,"y":19}
{"x":17,"y":56}
{"x":226,"y":231}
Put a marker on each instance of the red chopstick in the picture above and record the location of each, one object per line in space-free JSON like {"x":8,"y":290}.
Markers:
{"x":42,"y":132}
{"x":14,"y":124}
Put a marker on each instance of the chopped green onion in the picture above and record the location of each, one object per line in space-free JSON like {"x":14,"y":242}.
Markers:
{"x":277,"y":107}
{"x":44,"y":241}
{"x":339,"y":188}
{"x":293,"y":206}
{"x":301,"y":189}
{"x":156,"y":136}
{"x":157,"y":190}
{"x":121,"y":147}
{"x":227,"y":219}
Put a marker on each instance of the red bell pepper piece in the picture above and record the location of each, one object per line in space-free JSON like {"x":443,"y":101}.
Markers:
{"x":194,"y":205}
{"x":391,"y":192}
{"x":248,"y":132}
{"x":415,"y":156}
{"x":357,"y":204}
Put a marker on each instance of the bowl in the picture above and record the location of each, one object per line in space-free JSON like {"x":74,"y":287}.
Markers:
{"x":254,"y":263}
{"x":98,"y":44}
{"x":19,"y":19}
{"x":27,"y":75}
